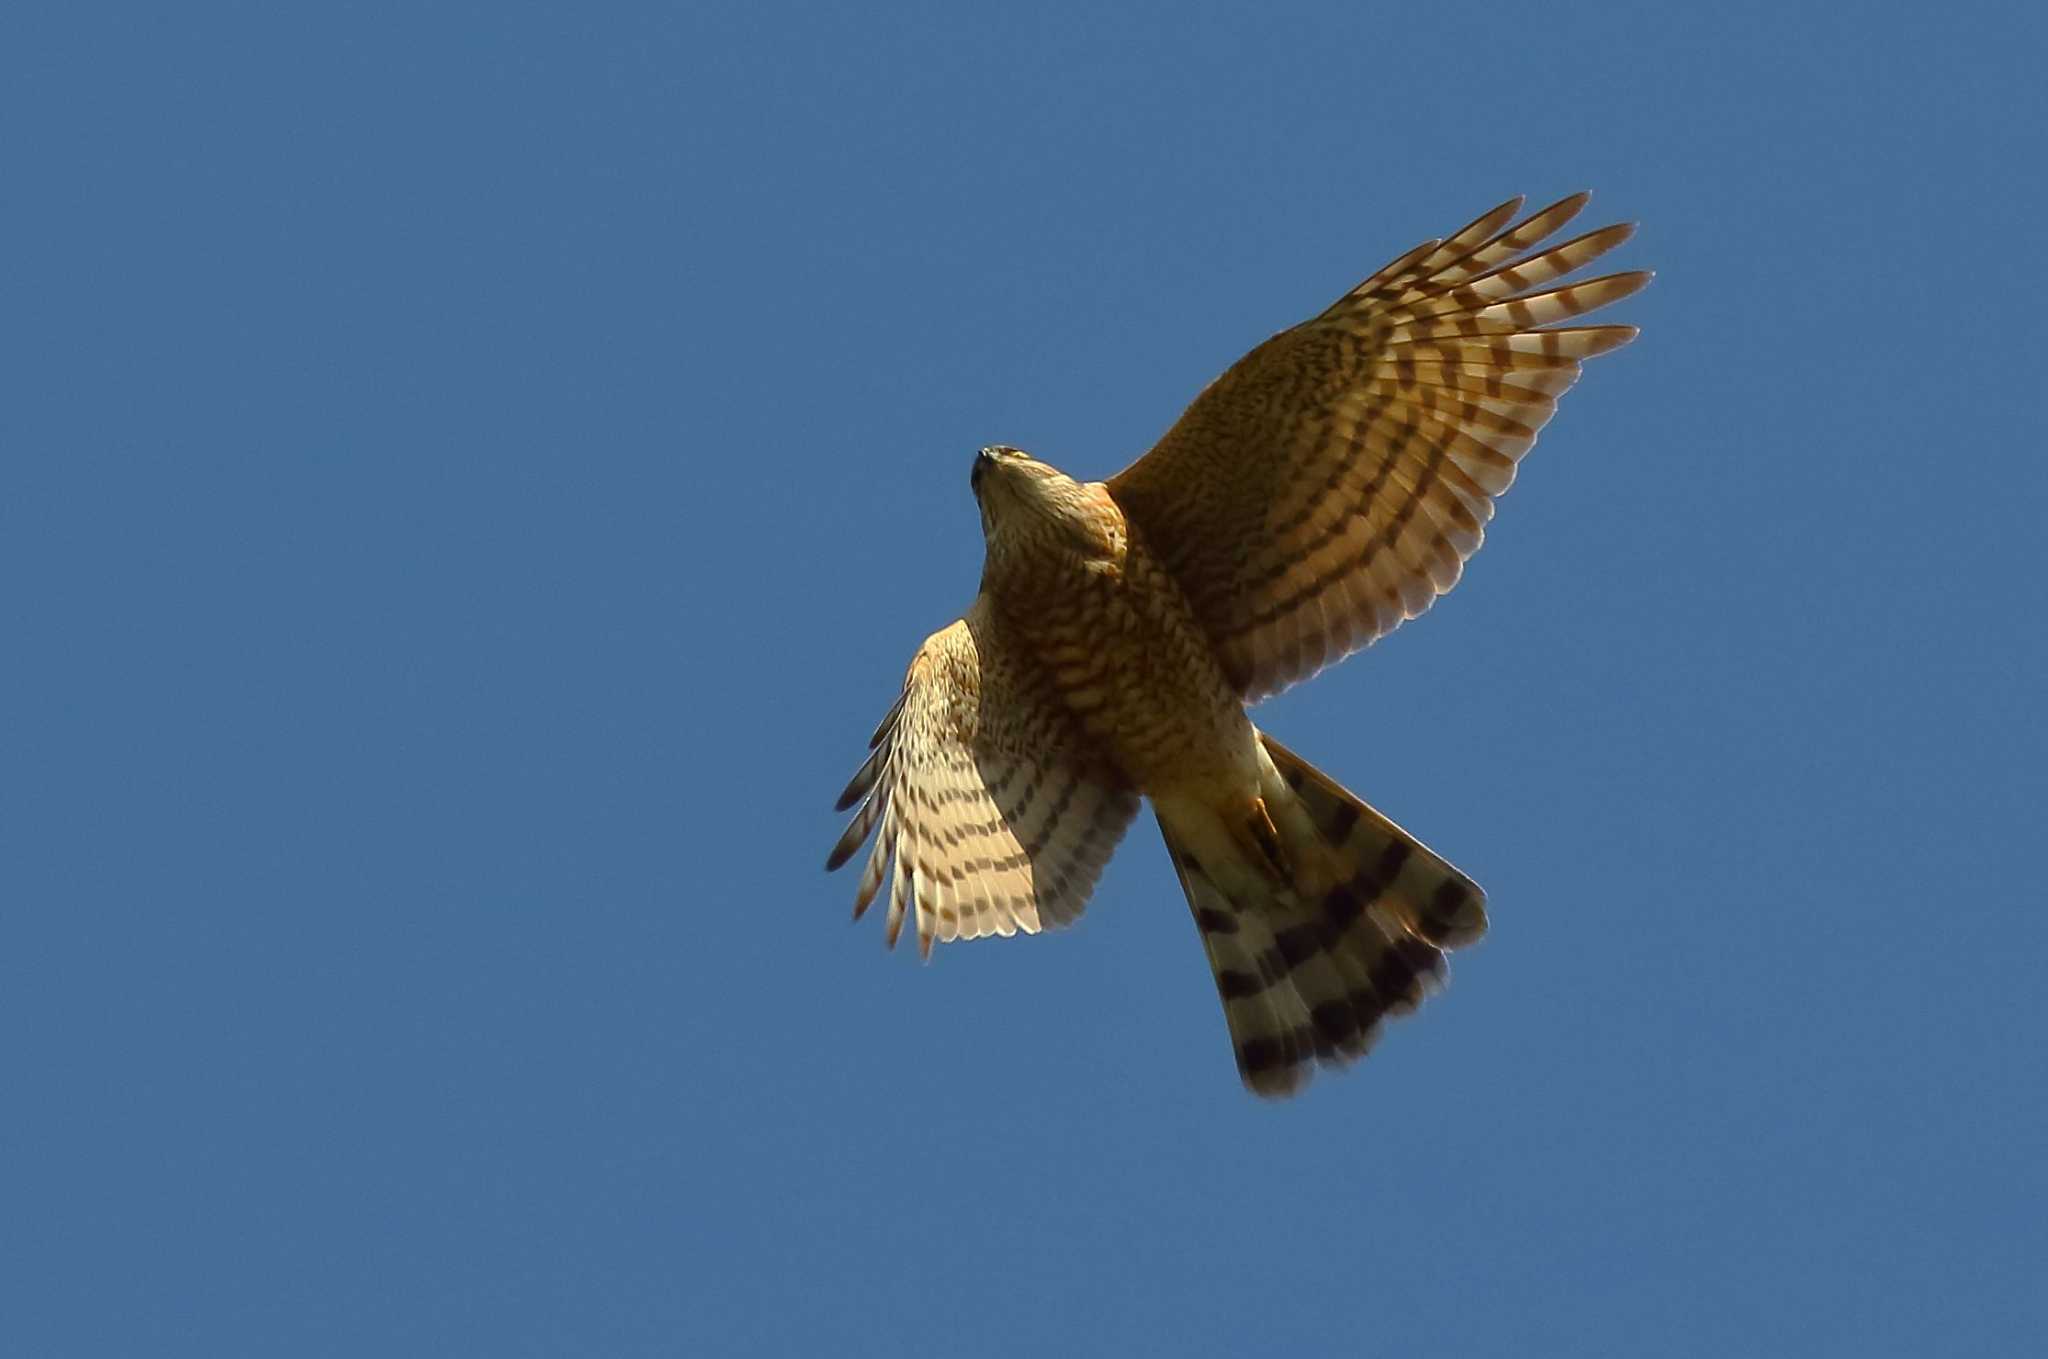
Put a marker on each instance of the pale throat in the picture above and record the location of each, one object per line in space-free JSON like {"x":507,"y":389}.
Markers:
{"x":1039,"y":528}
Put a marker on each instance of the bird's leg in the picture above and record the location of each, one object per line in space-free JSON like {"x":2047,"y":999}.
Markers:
{"x":1257,"y":836}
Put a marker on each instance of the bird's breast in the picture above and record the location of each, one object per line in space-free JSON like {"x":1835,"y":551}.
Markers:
{"x":1120,"y":644}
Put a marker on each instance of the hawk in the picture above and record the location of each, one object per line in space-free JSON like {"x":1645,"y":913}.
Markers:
{"x":1324,"y":490}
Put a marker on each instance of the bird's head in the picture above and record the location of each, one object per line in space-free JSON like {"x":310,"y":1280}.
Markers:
{"x":1026,"y":503}
{"x":1000,"y":470}
{"x":1016,"y":491}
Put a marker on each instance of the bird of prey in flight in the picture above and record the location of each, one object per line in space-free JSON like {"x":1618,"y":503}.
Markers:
{"x":1324,"y":490}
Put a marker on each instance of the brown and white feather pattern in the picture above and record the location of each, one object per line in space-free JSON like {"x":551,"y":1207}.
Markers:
{"x":1333,"y":483}
{"x":1309,"y":979}
{"x":1330,"y":485}
{"x":990,"y":813}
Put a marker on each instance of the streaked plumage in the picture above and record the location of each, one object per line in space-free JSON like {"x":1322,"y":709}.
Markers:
{"x":1325,"y":489}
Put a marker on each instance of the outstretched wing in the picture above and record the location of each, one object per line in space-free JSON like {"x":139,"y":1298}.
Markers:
{"x":995,"y":812}
{"x":1331,"y":484}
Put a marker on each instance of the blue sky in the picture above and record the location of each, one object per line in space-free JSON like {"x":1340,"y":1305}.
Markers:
{"x":475,"y":475}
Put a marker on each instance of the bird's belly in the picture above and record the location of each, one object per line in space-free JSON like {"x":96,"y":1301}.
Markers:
{"x":1124,"y":651}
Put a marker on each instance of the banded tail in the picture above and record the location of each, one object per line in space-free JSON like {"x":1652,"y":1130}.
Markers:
{"x":1308,"y":971}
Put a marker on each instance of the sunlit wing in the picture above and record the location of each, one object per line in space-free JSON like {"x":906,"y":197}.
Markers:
{"x":989,"y":813}
{"x":1333,"y":482}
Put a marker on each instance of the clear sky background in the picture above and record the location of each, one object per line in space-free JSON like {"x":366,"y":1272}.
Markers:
{"x":474,"y":474}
